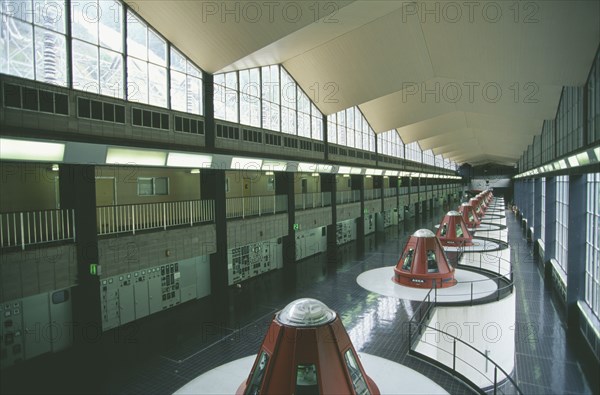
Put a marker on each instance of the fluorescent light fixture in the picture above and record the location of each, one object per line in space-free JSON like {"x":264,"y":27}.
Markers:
{"x":126,"y":156}
{"x":370,"y":172}
{"x":344,"y":170}
{"x":306,"y":167}
{"x":562,"y":164}
{"x":195,"y":171}
{"x":355,"y":170}
{"x":177,"y":159}
{"x":324,"y":168}
{"x":315,"y":174}
{"x":54,"y":167}
{"x":368,"y":176}
{"x":31,"y":150}
{"x":274,"y":165}
{"x":597,"y":153}
{"x":269,"y":173}
{"x":378,"y":172}
{"x":392,"y":173}
{"x":346,"y":175}
{"x":583,"y":159}
{"x":246,"y":164}
{"x":573,"y":162}
{"x":386,"y":176}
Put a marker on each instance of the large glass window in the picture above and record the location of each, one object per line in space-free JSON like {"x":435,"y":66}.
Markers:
{"x":562,"y":221}
{"x":186,"y":84}
{"x":592,"y":253}
{"x":413,"y":152}
{"x":350,"y":128}
{"x":32,"y":40}
{"x":226,"y":96}
{"x":407,"y":260}
{"x":267,"y":97}
{"x":97,"y":29}
{"x":146,"y":63}
{"x":593,"y":114}
{"x":250,"y":110}
{"x":270,"y":98}
{"x":389,"y":143}
{"x":543,"y":210}
{"x":429,"y":158}
{"x":569,"y":121}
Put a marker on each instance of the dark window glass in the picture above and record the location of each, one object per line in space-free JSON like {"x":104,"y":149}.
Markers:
{"x":432,"y":266}
{"x":258,"y":375}
{"x":156,"y":120}
{"x":83,"y":107}
{"x":120,"y":114}
{"x":109,"y":112}
{"x":307,"y":381}
{"x":147,"y":118}
{"x":164,"y":123}
{"x":61,"y":104}
{"x":12,"y":96}
{"x":30,"y":99}
{"x":407,"y":260}
{"x":46,"y":101}
{"x":96,"y":110}
{"x":179,"y":124}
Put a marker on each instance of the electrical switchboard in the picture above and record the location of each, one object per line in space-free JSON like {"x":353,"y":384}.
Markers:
{"x":345,"y":231}
{"x":11,"y":334}
{"x":131,"y":296}
{"x":253,"y":259}
{"x":311,"y":242}
{"x":369,"y":223}
{"x":35,"y":325}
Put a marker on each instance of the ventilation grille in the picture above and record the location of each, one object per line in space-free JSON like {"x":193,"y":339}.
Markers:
{"x":189,"y":125}
{"x":149,"y":119}
{"x":100,"y":111}
{"x":16,"y":96}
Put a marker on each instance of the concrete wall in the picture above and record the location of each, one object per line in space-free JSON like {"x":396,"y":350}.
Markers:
{"x":134,"y":252}
{"x":247,"y":231}
{"x":35,"y":271}
{"x":348,"y":211}
{"x":309,"y":219}
{"x":28,"y":187}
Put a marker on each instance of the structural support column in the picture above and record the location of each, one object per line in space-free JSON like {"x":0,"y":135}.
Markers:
{"x":284,"y":185}
{"x":212,"y":186}
{"x":78,"y":192}
{"x":209,"y":111}
{"x":576,"y":248}
{"x":358,"y":184}
{"x":550,"y":232}
{"x":329,"y":184}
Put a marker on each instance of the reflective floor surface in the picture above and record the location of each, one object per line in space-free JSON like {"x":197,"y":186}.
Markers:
{"x":161,"y":353}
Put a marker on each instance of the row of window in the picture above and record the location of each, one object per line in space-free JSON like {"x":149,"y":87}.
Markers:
{"x":592,"y":250}
{"x":560,"y":244}
{"x":350,"y":128}
{"x":139,"y":65}
{"x":268,"y":98}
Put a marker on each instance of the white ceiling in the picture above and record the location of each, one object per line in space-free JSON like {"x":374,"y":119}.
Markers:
{"x":474,"y":84}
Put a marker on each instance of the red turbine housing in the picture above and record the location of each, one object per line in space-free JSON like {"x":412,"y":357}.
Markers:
{"x":468,"y":213}
{"x":476,"y":204}
{"x":307,"y":351}
{"x":453,"y":230}
{"x":423,"y":263}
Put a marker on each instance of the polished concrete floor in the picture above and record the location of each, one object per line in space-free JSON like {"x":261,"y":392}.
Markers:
{"x":161,"y":353}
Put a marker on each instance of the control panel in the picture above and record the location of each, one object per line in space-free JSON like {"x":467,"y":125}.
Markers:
{"x":130,"y":296}
{"x":253,"y":259}
{"x":345,"y":231}
{"x":11,"y":334}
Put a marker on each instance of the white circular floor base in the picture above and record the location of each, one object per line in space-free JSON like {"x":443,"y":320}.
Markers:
{"x":380,"y":281}
{"x":390,"y":377}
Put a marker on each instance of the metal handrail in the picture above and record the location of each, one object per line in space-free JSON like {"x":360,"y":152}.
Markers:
{"x":423,"y":312}
{"x":305,"y":201}
{"x":35,"y":227}
{"x":247,"y":206}
{"x":136,"y":217}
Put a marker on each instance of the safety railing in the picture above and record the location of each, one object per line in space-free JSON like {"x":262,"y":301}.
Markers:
{"x":137,"y":217}
{"x":464,"y":360}
{"x":344,"y":197}
{"x":372,"y":194}
{"x":305,"y":201}
{"x":35,"y":227}
{"x":242,"y":207}
{"x":389,"y":192}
